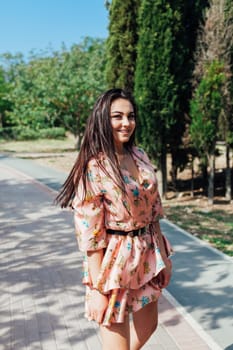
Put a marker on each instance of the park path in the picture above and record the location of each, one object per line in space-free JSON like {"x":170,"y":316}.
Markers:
{"x":41,"y":299}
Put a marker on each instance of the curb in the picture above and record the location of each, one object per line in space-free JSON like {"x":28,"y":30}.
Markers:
{"x":190,"y":320}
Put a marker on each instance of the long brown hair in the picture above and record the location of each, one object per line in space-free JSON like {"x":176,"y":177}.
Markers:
{"x":98,"y":138}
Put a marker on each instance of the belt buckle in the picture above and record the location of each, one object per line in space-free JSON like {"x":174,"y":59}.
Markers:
{"x":141,"y":231}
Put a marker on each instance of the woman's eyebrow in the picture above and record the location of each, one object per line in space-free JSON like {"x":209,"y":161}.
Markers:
{"x":116,"y":112}
{"x":131,"y":112}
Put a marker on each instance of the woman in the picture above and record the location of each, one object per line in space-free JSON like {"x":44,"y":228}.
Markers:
{"x":112,"y":189}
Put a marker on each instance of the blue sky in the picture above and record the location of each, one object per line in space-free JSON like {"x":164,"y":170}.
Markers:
{"x":37,"y":25}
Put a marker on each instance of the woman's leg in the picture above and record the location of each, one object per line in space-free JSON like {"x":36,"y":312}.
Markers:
{"x":144,"y":324}
{"x":117,"y":336}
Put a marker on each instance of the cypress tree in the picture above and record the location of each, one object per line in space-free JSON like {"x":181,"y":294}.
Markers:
{"x":121,"y":43}
{"x":155,"y":90}
{"x":187,"y":16}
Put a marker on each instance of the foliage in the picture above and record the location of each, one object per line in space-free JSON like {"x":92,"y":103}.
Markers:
{"x":206,"y":106}
{"x":121,"y":43}
{"x":155,"y":90}
{"x":229,"y":82}
{"x":54,"y":133}
{"x":167,"y":38}
{"x":187,"y":18}
{"x":4,"y":103}
{"x":58,"y":90}
{"x":215,"y":42}
{"x":20,"y":133}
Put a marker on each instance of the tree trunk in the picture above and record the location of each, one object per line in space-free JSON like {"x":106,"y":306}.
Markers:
{"x":192,"y":177}
{"x":204,"y":171}
{"x":228,"y":193}
{"x":173,"y":174}
{"x":78,"y":142}
{"x":211,"y":159}
{"x":163,"y":167}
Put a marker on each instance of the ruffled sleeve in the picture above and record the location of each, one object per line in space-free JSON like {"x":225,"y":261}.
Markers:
{"x":89,"y":213}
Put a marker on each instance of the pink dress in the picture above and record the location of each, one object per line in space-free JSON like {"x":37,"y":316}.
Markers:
{"x":130,"y":264}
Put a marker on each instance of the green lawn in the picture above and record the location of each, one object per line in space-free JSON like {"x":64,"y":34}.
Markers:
{"x":213,"y":226}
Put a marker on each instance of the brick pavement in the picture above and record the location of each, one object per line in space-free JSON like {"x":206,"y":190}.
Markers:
{"x":41,"y":295}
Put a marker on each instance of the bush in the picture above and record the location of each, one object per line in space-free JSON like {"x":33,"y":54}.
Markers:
{"x":10,"y":133}
{"x":53,"y":133}
{"x":27,"y":134}
{"x":19,"y":133}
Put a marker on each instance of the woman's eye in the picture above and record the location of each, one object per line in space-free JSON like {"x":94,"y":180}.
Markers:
{"x":131,"y":116}
{"x":120,"y":117}
{"x":117,"y":116}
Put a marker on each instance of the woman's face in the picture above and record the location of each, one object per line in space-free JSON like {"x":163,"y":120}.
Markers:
{"x":123,"y":121}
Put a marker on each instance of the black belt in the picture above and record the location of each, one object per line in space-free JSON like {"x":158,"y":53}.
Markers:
{"x":132,"y":233}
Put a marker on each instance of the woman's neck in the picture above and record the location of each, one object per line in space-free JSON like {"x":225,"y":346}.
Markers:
{"x":121,"y":151}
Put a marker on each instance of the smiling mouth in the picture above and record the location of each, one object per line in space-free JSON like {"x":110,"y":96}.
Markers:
{"x":124,"y":131}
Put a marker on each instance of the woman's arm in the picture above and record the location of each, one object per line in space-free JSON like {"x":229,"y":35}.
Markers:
{"x":90,"y":230}
{"x":98,"y":302}
{"x":165,"y":274}
{"x":94,"y":259}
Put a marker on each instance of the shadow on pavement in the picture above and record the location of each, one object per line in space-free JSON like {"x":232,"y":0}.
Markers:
{"x":41,"y":295}
{"x":202,"y":283}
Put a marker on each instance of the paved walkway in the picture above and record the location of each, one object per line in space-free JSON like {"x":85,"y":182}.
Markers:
{"x":41,"y":295}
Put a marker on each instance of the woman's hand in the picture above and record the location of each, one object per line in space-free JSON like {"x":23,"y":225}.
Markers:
{"x":165,"y":275}
{"x":97,"y":306}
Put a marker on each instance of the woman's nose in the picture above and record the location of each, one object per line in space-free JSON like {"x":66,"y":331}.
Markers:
{"x":125,"y":120}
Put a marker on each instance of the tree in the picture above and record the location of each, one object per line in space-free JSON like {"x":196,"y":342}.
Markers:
{"x":187,"y":17}
{"x":155,"y":90}
{"x":121,"y":43}
{"x":228,"y":93}
{"x":206,"y":106}
{"x":215,"y":43}
{"x":8,"y":68}
{"x":60,"y":89}
{"x":4,"y":103}
{"x":80,"y":80}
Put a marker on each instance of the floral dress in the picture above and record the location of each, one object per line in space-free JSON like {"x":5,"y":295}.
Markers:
{"x":130,"y":265}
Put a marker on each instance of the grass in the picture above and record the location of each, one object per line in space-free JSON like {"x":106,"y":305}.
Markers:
{"x":212,"y":225}
{"x":38,"y":146}
{"x":58,"y":154}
